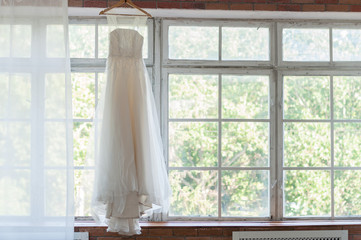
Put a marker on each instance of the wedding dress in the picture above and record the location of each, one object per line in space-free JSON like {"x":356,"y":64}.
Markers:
{"x":131,"y":176}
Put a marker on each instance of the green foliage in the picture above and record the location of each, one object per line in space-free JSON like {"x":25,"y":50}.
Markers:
{"x":195,"y":193}
{"x":193,"y":144}
{"x":346,"y":44}
{"x":193,"y":96}
{"x":245,"y":97}
{"x":245,"y":144}
{"x":306,"y":97}
{"x":307,"y":144}
{"x":245,"y":43}
{"x":188,"y":42}
{"x":347,"y":144}
{"x":347,"y":193}
{"x":305,"y":44}
{"x":307,"y":193}
{"x":83,"y":91}
{"x":245,"y":193}
{"x":347,"y":97}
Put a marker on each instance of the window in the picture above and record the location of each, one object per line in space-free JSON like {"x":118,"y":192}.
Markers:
{"x":258,"y":126}
{"x":260,"y":120}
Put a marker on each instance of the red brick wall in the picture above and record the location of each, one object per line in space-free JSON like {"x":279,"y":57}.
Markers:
{"x":264,"y":5}
{"x":207,"y":233}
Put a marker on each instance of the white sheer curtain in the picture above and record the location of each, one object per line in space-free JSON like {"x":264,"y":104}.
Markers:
{"x":36,"y":176}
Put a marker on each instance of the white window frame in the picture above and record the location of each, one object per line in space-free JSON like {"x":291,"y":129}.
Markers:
{"x":272,"y":163}
{"x":160,"y":66}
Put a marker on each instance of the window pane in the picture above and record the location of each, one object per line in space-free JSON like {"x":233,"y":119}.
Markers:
{"x":16,"y":201}
{"x":307,"y":145}
{"x":306,"y":97}
{"x":21,"y":41}
{"x":347,"y":144}
{"x":81,"y":133}
{"x":194,"y":193}
{"x":245,"y":97}
{"x":193,"y":144}
{"x":245,"y":193}
{"x":83,"y":91}
{"x":347,"y":193}
{"x":307,"y":193}
{"x":346,"y":44}
{"x":56,"y":193}
{"x":347,"y":97}
{"x":55,"y":144}
{"x":197,"y":43}
{"x":193,"y":96}
{"x":4,"y":40}
{"x":101,"y":84}
{"x":245,"y":144}
{"x":15,"y":91}
{"x":55,"y":104}
{"x":251,"y":44}
{"x":55,"y":45}
{"x":83,"y":186}
{"x":103,"y":39}
{"x":305,"y":44}
{"x":82,"y":41}
{"x":15,"y":144}
{"x":4,"y":92}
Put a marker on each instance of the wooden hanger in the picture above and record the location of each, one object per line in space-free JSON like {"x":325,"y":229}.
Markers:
{"x":121,"y":3}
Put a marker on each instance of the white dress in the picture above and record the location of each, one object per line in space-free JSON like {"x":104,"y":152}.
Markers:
{"x":131,"y":175}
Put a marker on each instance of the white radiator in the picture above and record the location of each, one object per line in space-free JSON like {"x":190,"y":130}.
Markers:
{"x":291,"y":235}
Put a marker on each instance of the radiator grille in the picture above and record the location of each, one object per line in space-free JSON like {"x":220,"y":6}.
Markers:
{"x":292,"y":235}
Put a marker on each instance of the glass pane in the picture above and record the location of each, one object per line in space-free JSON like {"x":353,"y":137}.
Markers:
{"x":81,"y":134}
{"x":16,"y":201}
{"x":307,"y":193}
{"x":82,"y":41}
{"x":347,"y":193}
{"x":102,"y":79}
{"x":193,"y":144}
{"x":103,"y":39}
{"x":196,"y":193}
{"x":55,"y":44}
{"x":21,"y":41}
{"x":15,"y":102}
{"x":249,"y":44}
{"x":347,"y":97}
{"x":4,"y":40}
{"x":306,"y":97}
{"x":83,"y":95}
{"x":83,"y":187}
{"x":193,"y":96}
{"x":245,"y":97}
{"x":55,"y":104}
{"x":55,"y":193}
{"x":302,"y":44}
{"x":198,"y":43}
{"x":307,"y":144}
{"x":4,"y":94}
{"x":245,"y":193}
{"x":15,"y":144}
{"x":346,"y":44}
{"x":347,"y":144}
{"x":245,"y":144}
{"x":55,"y":144}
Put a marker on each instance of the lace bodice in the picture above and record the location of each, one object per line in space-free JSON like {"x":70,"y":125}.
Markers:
{"x":125,"y":43}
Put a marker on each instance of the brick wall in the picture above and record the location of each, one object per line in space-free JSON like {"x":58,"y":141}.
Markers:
{"x":263,"y":5}
{"x":207,"y":233}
